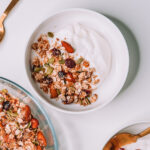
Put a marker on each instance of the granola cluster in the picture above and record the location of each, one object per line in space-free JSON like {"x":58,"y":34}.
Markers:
{"x":60,"y":74}
{"x":18,"y":128}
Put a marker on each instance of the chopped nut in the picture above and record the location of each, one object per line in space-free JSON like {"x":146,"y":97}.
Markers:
{"x":86,"y":63}
{"x":96,"y":81}
{"x":44,"y":87}
{"x":36,"y":61}
{"x":94,"y":98}
{"x":34,"y":46}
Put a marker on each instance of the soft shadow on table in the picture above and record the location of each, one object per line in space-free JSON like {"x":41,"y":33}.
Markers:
{"x":134,"y":54}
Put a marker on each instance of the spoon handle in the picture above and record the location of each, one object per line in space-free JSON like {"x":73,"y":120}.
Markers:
{"x":145,"y":132}
{"x":8,"y":9}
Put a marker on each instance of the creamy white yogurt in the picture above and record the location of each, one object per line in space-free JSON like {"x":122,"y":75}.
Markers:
{"x":89,"y":44}
{"x":141,"y":144}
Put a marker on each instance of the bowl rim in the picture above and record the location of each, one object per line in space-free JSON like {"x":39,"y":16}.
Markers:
{"x":36,"y":101}
{"x":127,"y":60}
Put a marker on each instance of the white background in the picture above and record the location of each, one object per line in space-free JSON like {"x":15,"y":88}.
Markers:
{"x":86,"y":131}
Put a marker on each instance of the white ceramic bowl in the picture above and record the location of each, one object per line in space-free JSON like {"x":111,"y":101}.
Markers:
{"x":119,"y":51}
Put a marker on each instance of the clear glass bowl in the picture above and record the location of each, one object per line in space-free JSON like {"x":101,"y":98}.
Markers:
{"x":37,"y":110}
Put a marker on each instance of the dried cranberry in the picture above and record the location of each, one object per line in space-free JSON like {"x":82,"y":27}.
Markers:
{"x":70,"y":63}
{"x":70,"y":77}
{"x":56,"y":52}
{"x":48,"y":80}
{"x":88,"y":92}
{"x":61,"y":74}
{"x":6,"y":105}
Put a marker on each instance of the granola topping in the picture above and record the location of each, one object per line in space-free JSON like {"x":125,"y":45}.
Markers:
{"x":61,"y":73}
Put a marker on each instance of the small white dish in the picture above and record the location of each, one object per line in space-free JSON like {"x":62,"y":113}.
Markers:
{"x":113,"y":83}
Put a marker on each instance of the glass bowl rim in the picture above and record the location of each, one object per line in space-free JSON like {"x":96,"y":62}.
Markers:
{"x":36,"y":101}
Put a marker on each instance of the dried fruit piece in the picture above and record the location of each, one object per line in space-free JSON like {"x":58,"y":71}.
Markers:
{"x":34,"y":123}
{"x":50,"y":34}
{"x":26,"y":111}
{"x":53,"y":91}
{"x":38,"y":148}
{"x":1,"y":126}
{"x":88,"y":92}
{"x":70,"y":77}
{"x":86,"y":63}
{"x":56,"y":52}
{"x":6,"y":138}
{"x":41,"y":139}
{"x":67,"y":47}
{"x":70,"y":63}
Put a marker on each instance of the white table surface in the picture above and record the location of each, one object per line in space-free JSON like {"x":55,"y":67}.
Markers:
{"x":86,"y":131}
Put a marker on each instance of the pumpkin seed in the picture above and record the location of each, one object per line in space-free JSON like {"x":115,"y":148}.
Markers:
{"x":58,"y":91}
{"x":50,"y":34}
{"x":49,"y":70}
{"x":62,"y":61}
{"x":79,"y":61}
{"x":51,"y":60}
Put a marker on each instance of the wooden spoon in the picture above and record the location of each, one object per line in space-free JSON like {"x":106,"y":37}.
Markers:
{"x":3,"y":17}
{"x":122,"y":139}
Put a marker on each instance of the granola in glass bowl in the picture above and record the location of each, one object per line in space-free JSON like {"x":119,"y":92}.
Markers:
{"x":19,"y":130}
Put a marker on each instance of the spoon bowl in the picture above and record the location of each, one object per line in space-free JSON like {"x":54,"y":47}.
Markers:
{"x":119,"y":140}
{"x":122,"y":139}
